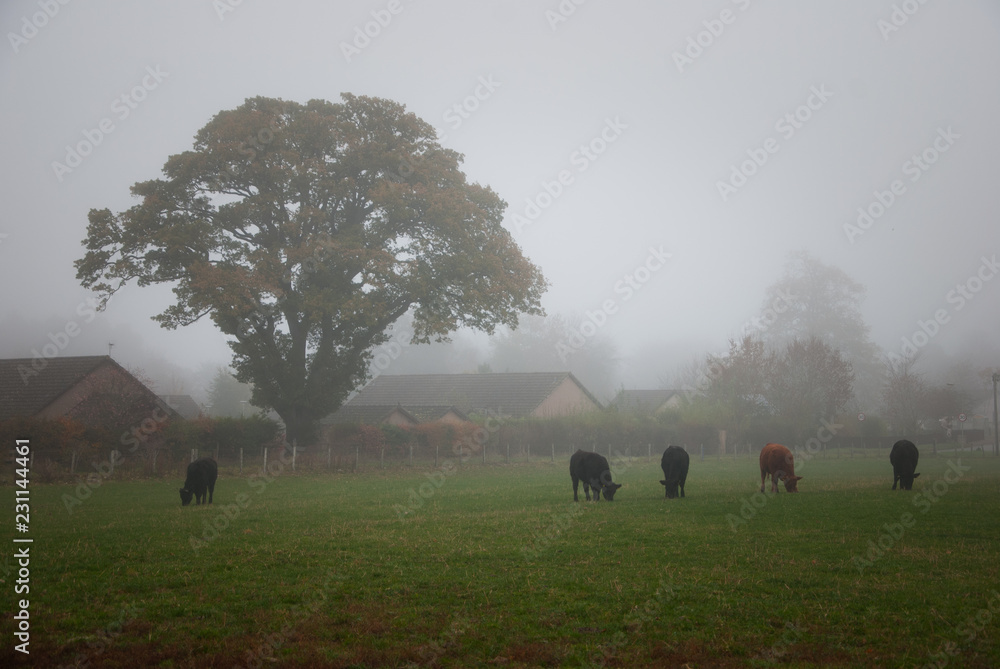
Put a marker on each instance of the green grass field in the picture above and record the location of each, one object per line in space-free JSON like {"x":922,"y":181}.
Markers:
{"x":496,"y":566}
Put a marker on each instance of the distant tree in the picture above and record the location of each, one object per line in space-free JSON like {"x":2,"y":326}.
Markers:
{"x":903,"y":395}
{"x":739,"y":386}
{"x":228,"y":397}
{"x":942,"y":401}
{"x":550,"y":343}
{"x":304,"y":232}
{"x":817,"y":300}
{"x":811,"y":382}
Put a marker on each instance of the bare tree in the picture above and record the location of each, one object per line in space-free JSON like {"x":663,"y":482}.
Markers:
{"x":811,"y":382}
{"x":903,"y":395}
{"x":740,"y":385}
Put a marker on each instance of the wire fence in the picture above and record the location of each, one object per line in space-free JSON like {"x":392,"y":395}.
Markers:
{"x":162,"y":463}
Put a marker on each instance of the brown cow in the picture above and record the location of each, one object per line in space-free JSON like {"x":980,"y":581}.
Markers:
{"x":777,"y":461}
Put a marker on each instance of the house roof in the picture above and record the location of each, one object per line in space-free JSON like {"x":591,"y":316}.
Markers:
{"x":182,"y":404}
{"x":373,"y":414}
{"x":514,"y":394}
{"x":25,"y":390}
{"x":643,"y":400}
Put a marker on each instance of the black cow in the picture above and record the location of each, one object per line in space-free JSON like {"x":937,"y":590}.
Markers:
{"x":904,"y":456}
{"x":593,"y":470}
{"x":674,"y":463}
{"x":201,"y":476}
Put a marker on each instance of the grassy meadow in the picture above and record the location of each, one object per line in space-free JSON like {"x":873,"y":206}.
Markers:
{"x":495,"y":566}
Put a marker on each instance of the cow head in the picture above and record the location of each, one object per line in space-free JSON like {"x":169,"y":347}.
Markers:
{"x":608,"y":489}
{"x":671,"y":488}
{"x":906,"y":482}
{"x":186,"y":496}
{"x":791,"y":483}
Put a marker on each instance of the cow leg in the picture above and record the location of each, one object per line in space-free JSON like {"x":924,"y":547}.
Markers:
{"x":895,"y":479}
{"x":576,"y":487}
{"x":682,"y":490}
{"x":763,"y":477}
{"x":211,"y":491}
{"x":586,"y":490}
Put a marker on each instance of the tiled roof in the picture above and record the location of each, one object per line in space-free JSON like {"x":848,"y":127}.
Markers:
{"x":374,"y":414}
{"x":642,"y":400}
{"x":516,"y":394}
{"x":25,"y":391}
{"x":182,"y":404}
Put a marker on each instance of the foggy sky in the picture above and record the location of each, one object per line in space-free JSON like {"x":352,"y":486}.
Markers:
{"x":668,"y":100}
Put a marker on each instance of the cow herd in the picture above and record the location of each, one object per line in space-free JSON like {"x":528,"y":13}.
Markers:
{"x":593,"y":471}
{"x":776,"y":461}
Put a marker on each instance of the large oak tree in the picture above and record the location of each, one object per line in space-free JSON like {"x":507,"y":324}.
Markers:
{"x":303,"y":232}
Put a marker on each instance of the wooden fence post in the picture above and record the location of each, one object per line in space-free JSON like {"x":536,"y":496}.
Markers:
{"x":411,"y":453}
{"x":241,"y":460}
{"x":437,"y":450}
{"x":72,"y":463}
{"x":357,"y":457}
{"x":265,"y":459}
{"x":294,"y":451}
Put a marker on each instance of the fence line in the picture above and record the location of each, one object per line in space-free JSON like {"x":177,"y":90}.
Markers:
{"x":162,"y":463}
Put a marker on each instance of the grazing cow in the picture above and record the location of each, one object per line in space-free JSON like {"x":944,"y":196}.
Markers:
{"x":201,"y":476}
{"x":674,"y":463}
{"x":593,"y":470}
{"x":777,"y":461}
{"x":903,"y":456}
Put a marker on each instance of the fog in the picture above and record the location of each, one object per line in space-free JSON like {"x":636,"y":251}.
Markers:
{"x":667,"y":160}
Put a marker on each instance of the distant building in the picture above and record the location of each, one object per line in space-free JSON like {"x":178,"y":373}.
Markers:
{"x":649,"y":402}
{"x":85,"y":388}
{"x":444,"y":397}
{"x":377,"y":414}
{"x":183,"y":404}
